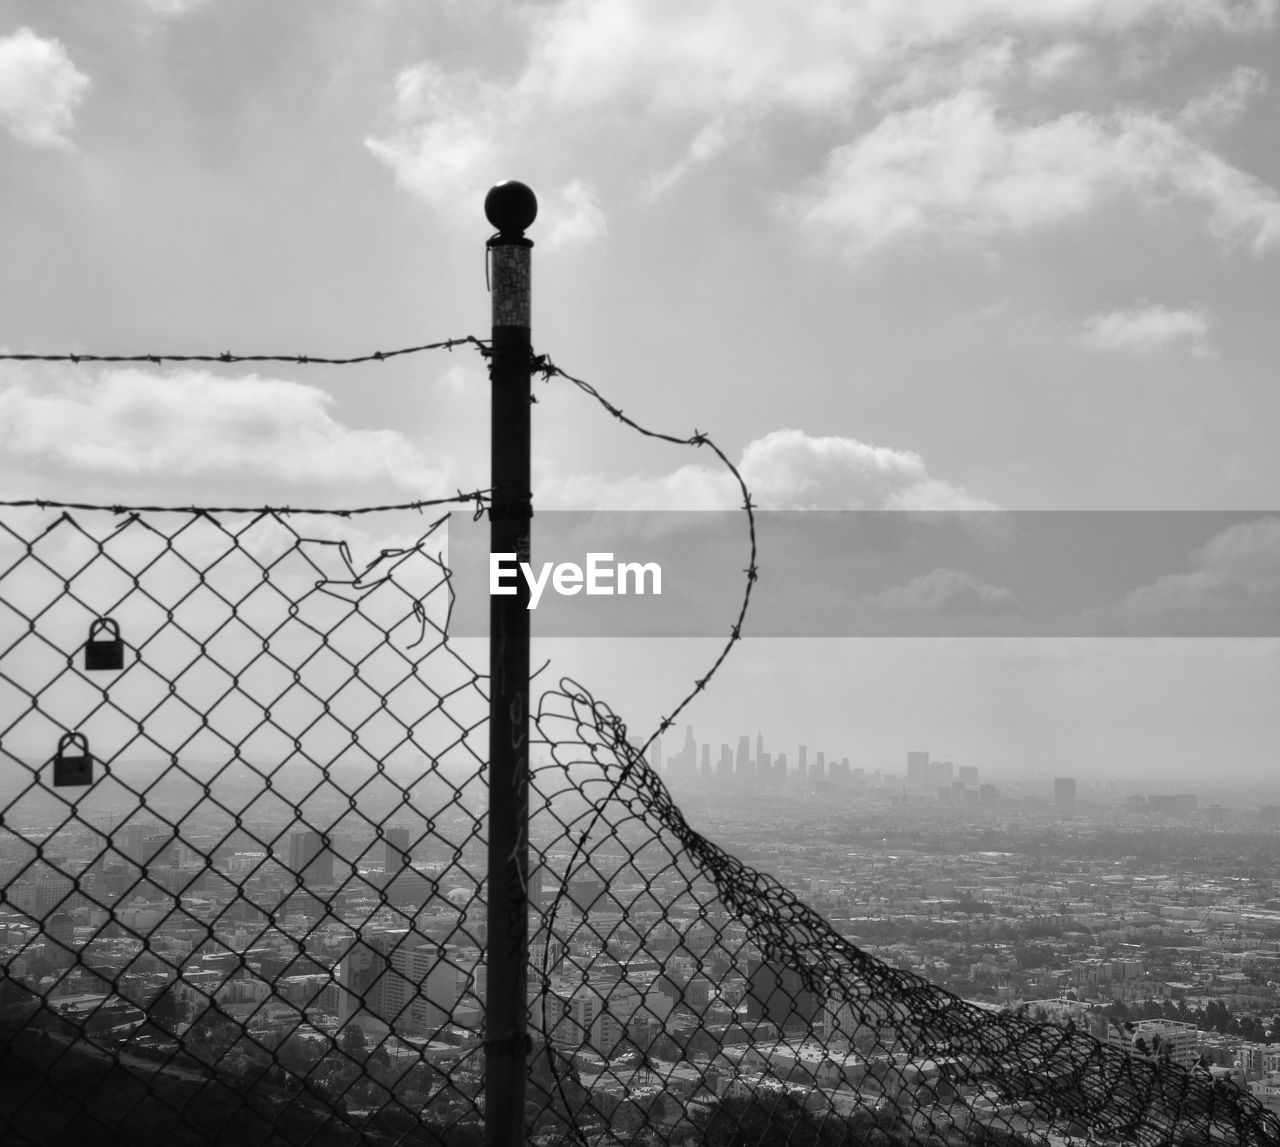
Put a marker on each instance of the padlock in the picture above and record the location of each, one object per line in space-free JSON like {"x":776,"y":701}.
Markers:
{"x":72,"y":769}
{"x":104,"y":652}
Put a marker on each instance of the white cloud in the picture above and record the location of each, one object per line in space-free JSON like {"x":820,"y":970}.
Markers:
{"x":956,"y":166}
{"x":1026,"y":70}
{"x":703,"y":57}
{"x":573,"y":215}
{"x":688,"y":488}
{"x":40,"y":89}
{"x":128,"y":424}
{"x":1059,"y":61}
{"x":453,"y":140}
{"x":444,"y":146}
{"x":1150,"y":328}
{"x":1237,"y":573}
{"x":1225,"y":102}
{"x":171,"y":7}
{"x":791,"y":470}
{"x":784,"y":470}
{"x":931,"y":74}
{"x":943,"y":591}
{"x":708,"y":143}
{"x":692,"y":59}
{"x":627,"y":77}
{"x":1245,"y":550}
{"x":458,"y":379}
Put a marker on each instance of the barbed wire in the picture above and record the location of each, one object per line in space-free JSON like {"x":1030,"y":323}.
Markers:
{"x":543,"y":365}
{"x":230,"y":357}
{"x":479,"y":498}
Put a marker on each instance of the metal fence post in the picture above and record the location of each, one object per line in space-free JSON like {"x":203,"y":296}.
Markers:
{"x":510,"y":206}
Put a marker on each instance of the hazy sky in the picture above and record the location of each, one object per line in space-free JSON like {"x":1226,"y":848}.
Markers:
{"x":898,"y":255}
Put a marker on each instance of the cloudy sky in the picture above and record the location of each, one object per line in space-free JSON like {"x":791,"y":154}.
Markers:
{"x":922,"y":255}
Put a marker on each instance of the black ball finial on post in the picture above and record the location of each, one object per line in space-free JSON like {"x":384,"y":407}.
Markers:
{"x":511,"y":206}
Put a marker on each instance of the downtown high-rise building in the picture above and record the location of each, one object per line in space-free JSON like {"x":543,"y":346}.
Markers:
{"x":309,"y":858}
{"x":777,"y":993}
{"x":395,"y":850}
{"x":400,"y":980}
{"x":917,"y":768}
{"x":818,"y":770}
{"x":684,"y":765}
{"x":686,"y":761}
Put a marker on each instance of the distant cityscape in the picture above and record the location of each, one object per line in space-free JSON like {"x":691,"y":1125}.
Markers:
{"x":1145,"y":918}
{"x":924,"y":778}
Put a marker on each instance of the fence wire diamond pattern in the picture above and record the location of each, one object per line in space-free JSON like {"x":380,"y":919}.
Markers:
{"x":696,"y":1000}
{"x":281,"y":842}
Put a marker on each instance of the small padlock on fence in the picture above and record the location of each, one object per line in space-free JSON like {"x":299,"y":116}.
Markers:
{"x":104,"y":652}
{"x":72,"y":768}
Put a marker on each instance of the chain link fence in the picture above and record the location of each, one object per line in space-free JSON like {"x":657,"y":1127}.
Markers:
{"x":242,"y":867}
{"x":243,"y":832}
{"x":686,"y":998}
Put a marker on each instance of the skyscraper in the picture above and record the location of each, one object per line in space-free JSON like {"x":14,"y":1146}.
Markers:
{"x":309,"y":858}
{"x":917,"y":768}
{"x":395,"y":850}
{"x":399,"y":979}
{"x":585,"y":890}
{"x":60,"y":930}
{"x":686,"y":762}
{"x":777,"y":993}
